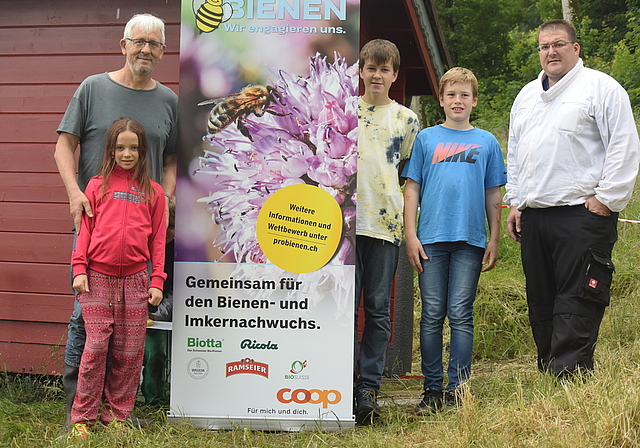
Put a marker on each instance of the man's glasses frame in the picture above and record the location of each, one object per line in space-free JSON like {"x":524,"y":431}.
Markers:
{"x":140,"y":43}
{"x":556,"y":45}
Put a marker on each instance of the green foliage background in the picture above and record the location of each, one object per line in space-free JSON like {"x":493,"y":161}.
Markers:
{"x":496,"y":39}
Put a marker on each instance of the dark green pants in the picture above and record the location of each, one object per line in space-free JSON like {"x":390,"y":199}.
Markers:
{"x":155,"y":372}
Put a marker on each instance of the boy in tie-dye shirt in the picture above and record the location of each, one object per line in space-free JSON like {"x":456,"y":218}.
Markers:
{"x":386,"y":131}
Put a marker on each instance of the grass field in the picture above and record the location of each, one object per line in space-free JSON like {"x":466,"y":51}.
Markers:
{"x":507,"y":403}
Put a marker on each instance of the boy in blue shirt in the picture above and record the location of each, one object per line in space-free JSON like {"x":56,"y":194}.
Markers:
{"x":454,"y":175}
{"x":386,"y":131}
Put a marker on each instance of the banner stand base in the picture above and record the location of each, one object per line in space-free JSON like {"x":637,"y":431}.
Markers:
{"x":262,"y":424}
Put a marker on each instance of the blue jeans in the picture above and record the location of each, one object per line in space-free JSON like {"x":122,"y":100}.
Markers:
{"x":376,"y":263}
{"x":448,"y":286}
{"x":76,"y":336}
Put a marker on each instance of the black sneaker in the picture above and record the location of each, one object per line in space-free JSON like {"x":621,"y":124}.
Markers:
{"x":366,"y":406}
{"x":140,"y":423}
{"x":432,"y":400}
{"x":452,"y":399}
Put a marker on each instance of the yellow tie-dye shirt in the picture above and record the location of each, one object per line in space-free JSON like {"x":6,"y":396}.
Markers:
{"x":385,"y":137}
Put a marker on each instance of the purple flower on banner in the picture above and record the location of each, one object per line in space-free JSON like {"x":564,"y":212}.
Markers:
{"x":305,"y":133}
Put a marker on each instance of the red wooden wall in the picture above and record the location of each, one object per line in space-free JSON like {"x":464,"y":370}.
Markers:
{"x":47,"y":47}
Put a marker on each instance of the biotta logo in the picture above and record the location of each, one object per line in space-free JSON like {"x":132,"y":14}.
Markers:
{"x":248,"y":365}
{"x":204,"y":345}
{"x":198,"y":368}
{"x":296,"y":368}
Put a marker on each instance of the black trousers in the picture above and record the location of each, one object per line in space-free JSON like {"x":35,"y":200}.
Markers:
{"x":566,"y":256}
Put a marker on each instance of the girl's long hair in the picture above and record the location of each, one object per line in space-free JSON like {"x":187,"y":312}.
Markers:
{"x":141,"y":171}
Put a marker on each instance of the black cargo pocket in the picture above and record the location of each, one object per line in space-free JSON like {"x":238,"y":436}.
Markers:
{"x":597,"y":281}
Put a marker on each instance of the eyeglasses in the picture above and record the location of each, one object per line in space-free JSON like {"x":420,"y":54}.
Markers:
{"x":556,"y":45}
{"x":140,"y":43}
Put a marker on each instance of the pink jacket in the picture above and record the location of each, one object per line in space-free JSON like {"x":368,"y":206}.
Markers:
{"x":125,"y":232}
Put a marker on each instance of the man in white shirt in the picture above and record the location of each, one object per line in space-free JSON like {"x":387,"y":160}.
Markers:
{"x":572,"y":162}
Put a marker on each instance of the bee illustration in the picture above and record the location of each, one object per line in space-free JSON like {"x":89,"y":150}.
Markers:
{"x":211,"y":14}
{"x":236,"y":107}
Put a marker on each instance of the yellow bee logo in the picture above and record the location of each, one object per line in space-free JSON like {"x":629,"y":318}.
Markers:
{"x":211,"y":14}
{"x":236,"y":107}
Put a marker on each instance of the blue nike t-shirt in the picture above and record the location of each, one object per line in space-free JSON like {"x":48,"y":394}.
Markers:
{"x":454,"y":168}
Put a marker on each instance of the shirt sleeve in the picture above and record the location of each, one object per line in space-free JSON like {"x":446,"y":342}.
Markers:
{"x":511,"y":187}
{"x":496,"y":170}
{"x":79,"y":261}
{"x":75,"y":116}
{"x":622,"y":150}
{"x":157,"y":240}
{"x":413,"y":127}
{"x":172,"y":144}
{"x":413,"y":168}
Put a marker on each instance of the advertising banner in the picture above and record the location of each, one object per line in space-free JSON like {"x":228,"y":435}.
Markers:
{"x":263,"y":331}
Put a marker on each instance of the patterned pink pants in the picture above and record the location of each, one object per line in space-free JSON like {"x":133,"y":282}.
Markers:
{"x":115,"y":319}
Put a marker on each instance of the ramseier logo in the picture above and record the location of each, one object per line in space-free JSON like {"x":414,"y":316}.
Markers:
{"x":247,"y":365}
{"x":313,"y":396}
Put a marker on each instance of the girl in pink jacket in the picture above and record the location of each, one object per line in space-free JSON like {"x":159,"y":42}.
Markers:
{"x":114,"y":246}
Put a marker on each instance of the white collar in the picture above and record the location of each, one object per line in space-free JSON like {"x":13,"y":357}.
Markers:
{"x":561,"y":85}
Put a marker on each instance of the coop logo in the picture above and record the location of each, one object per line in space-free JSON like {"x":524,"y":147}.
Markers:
{"x":198,"y":368}
{"x":204,"y":345}
{"x":248,"y":344}
{"x":247,"y":365}
{"x":296,"y":368}
{"x":313,"y":396}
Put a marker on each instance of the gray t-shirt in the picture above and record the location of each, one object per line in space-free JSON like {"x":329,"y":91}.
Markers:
{"x":99,"y":101}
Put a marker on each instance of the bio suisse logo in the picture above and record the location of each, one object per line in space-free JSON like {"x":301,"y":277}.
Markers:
{"x":296,"y":368}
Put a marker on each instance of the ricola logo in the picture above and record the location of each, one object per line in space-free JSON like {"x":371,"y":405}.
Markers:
{"x":248,"y":344}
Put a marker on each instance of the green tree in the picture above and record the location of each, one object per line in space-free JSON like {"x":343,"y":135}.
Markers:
{"x":626,"y":63}
{"x":477,"y":32}
{"x":496,"y":39}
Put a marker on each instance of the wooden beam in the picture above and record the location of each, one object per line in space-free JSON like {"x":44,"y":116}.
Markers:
{"x":432,"y":76}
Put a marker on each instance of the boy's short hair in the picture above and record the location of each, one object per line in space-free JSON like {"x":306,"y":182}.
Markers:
{"x":559,"y":25}
{"x":380,"y":51}
{"x":458,"y":74}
